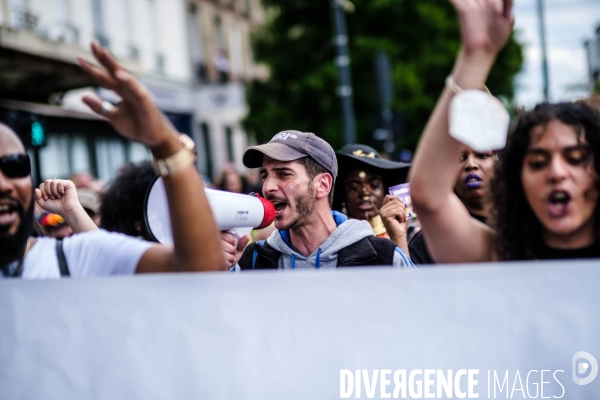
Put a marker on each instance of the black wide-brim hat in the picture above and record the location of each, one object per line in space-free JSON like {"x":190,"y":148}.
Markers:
{"x":360,"y":155}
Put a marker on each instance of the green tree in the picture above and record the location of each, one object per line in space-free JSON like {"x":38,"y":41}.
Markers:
{"x":421,"y":38}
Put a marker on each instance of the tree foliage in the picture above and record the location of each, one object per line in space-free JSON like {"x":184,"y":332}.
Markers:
{"x":420,"y":37}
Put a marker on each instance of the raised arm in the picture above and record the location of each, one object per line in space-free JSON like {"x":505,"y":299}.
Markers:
{"x":60,"y":197}
{"x":197,"y":245}
{"x":452,"y":236}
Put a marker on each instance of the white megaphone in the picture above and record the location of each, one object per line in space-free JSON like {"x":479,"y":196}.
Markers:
{"x":233,"y":212}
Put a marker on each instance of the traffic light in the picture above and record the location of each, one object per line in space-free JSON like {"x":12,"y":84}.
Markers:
{"x":38,"y":134}
{"x":30,"y":127}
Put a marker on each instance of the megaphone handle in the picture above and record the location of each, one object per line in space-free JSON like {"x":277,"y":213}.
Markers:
{"x":239,"y":232}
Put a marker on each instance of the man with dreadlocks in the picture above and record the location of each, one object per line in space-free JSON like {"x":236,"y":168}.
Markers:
{"x":99,"y":252}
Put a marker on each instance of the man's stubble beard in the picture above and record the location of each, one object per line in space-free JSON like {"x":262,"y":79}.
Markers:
{"x":303,"y":209}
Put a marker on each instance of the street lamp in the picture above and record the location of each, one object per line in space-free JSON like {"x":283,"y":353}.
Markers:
{"x":540,"y":8}
{"x":342,"y":60}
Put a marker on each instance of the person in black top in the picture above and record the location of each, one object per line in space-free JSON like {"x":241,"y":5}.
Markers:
{"x":472,"y":188}
{"x":546,"y":188}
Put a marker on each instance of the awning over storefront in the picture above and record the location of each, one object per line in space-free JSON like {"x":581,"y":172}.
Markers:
{"x":33,"y":67}
{"x":56,"y":119}
{"x":25,"y":76}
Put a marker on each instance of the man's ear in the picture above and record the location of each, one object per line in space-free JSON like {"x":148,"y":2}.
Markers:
{"x":323,"y":185}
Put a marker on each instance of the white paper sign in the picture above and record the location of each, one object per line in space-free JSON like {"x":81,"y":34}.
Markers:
{"x":303,"y":334}
{"x":478,"y":120}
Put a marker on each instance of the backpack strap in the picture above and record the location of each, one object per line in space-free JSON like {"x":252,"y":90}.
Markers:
{"x":369,"y":251}
{"x":62,"y":260}
{"x":259,"y":255}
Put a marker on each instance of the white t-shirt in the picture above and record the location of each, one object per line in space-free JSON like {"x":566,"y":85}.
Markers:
{"x":95,"y":253}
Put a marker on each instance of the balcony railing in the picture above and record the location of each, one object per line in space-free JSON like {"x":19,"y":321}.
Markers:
{"x":23,"y":19}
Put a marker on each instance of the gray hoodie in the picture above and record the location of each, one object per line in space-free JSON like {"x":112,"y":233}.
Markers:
{"x":347,"y":233}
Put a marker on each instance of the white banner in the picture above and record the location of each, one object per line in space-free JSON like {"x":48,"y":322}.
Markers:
{"x":504,"y":331}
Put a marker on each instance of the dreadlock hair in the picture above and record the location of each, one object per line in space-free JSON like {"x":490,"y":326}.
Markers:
{"x":313,"y":169}
{"x":518,"y":230}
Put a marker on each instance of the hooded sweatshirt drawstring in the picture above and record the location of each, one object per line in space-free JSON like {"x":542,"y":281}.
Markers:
{"x":326,"y":255}
{"x":319,"y":258}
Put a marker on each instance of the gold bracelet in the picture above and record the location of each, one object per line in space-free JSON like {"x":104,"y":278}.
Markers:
{"x":377,"y":225}
{"x":457,"y":89}
{"x":178,"y":161}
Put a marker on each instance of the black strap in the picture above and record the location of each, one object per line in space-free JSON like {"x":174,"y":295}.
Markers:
{"x":266,"y":257}
{"x":369,"y":251}
{"x":62,"y":261}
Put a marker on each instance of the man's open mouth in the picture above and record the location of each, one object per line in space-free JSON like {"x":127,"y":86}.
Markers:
{"x":473,"y":181}
{"x":8,"y":215}
{"x":558,"y":202}
{"x":279,"y":206}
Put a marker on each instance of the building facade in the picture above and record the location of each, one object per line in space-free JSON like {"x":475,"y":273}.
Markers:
{"x":222,"y":64}
{"x":194,"y":56}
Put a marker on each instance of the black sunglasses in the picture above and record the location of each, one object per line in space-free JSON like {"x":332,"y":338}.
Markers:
{"x":15,"y":166}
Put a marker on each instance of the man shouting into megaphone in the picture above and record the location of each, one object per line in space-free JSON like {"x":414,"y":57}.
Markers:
{"x":298,"y":170}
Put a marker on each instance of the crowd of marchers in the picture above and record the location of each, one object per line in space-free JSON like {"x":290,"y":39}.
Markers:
{"x":536,"y":198}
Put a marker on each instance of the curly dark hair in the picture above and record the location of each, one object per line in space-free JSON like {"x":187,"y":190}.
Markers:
{"x":518,"y":231}
{"x":122,"y":204}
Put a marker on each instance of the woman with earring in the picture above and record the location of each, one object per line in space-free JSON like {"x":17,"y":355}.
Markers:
{"x":361,"y":192}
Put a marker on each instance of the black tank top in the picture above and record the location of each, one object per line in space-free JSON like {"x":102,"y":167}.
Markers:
{"x":550,"y":253}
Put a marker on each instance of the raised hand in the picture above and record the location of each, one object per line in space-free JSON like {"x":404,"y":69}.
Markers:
{"x":60,"y":197}
{"x":136,"y":117}
{"x":485,"y":24}
{"x":57,"y":196}
{"x":393,"y":215}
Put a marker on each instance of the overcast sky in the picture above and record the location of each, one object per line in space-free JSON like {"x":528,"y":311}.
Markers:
{"x":568,"y":24}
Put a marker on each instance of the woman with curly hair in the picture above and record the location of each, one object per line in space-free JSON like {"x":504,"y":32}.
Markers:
{"x":545,"y":190}
{"x":122,"y":203}
{"x":550,"y":212}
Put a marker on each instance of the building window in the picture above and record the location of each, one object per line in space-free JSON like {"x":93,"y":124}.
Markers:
{"x":79,"y":156}
{"x":54,"y":158}
{"x":21,"y":16}
{"x":159,"y":58}
{"x":137,"y":152}
{"x":219,"y":34}
{"x":99,"y":27}
{"x":221,"y":59}
{"x":110,"y":156}
{"x":67,"y":154}
{"x":206,"y":143}
{"x":237,"y":52}
{"x":64,"y":155}
{"x":133,"y":50}
{"x":196,"y":43}
{"x":229,"y":138}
